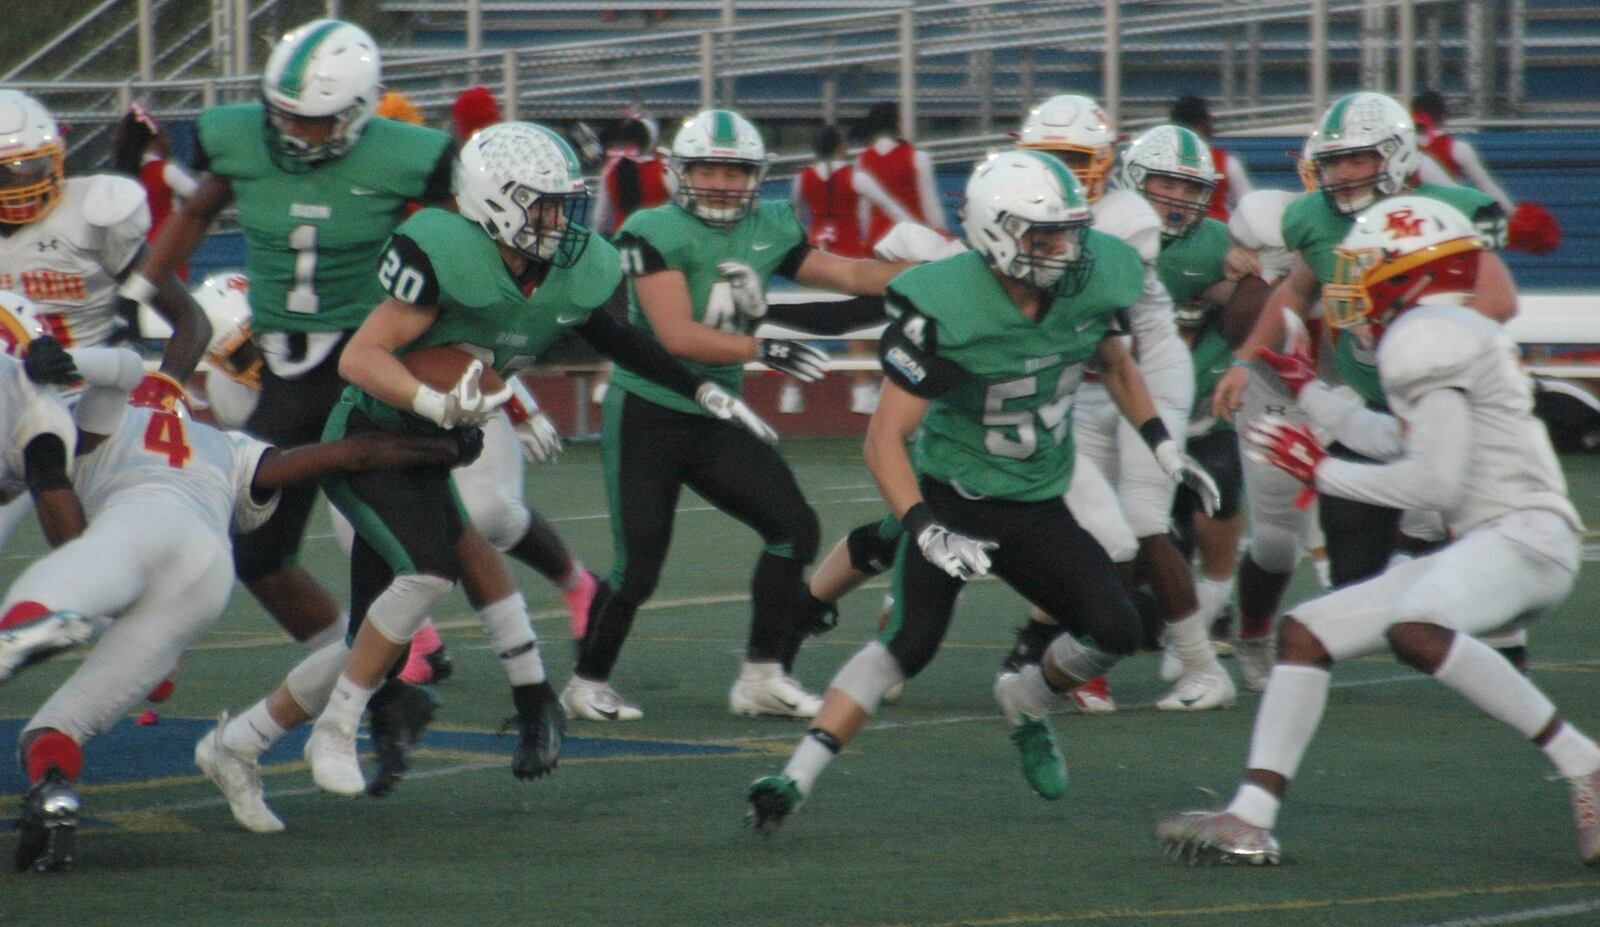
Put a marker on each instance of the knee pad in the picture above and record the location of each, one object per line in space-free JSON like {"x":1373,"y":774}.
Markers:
{"x":871,"y":551}
{"x":312,"y":679}
{"x":1274,"y":548}
{"x":502,"y":524}
{"x":401,"y":609}
{"x":870,"y":673}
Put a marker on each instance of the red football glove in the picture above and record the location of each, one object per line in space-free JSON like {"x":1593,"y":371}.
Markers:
{"x":159,"y":391}
{"x":1531,"y":228}
{"x":1291,"y":448}
{"x":1296,"y":368}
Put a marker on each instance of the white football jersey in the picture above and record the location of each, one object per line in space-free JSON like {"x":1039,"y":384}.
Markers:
{"x":67,"y":263}
{"x":1511,"y":466}
{"x":27,"y":411}
{"x":1128,"y":216}
{"x":166,"y":459}
{"x":1257,"y":224}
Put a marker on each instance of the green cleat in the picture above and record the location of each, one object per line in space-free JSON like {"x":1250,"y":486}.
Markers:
{"x":771,"y":800}
{"x":1042,"y":764}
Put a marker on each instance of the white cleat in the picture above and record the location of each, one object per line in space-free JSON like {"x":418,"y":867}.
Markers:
{"x":1216,"y":838}
{"x":1201,"y":691}
{"x":49,"y":634}
{"x":331,"y":751}
{"x":238,"y":777}
{"x":596,"y":701}
{"x":1094,"y":697}
{"x":763,"y":689}
{"x":1586,"y":810}
{"x":1171,"y":663}
{"x":1255,"y":660}
{"x":893,"y":694}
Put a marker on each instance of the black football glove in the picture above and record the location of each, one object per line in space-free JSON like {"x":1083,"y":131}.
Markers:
{"x":47,"y":362}
{"x":469,"y":443}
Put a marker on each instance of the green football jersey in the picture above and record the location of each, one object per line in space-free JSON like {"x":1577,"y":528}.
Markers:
{"x":1189,"y":264}
{"x":1312,"y":228}
{"x":770,"y":241}
{"x":437,"y":258}
{"x":1212,"y":358}
{"x":313,"y":234}
{"x":1003,"y":430}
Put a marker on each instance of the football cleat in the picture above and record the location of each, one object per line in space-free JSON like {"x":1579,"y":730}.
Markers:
{"x":238,"y":777}
{"x":1094,"y":697}
{"x":596,"y":701}
{"x":1216,"y":838}
{"x":48,"y":825}
{"x":1201,"y":692}
{"x":1042,"y":763}
{"x":771,"y":799}
{"x":893,"y":694}
{"x":1255,"y":658}
{"x":331,"y":753}
{"x":1171,"y":663}
{"x":28,"y":642}
{"x":396,"y":717}
{"x":763,"y":689}
{"x":541,"y":727}
{"x":1586,"y":810}
{"x":441,"y":663}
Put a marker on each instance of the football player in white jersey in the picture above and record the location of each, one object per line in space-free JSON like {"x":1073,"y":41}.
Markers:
{"x":1463,"y":440}
{"x":163,"y":495}
{"x":66,"y":243}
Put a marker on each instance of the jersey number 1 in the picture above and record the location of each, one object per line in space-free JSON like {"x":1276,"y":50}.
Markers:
{"x":165,"y":436}
{"x":303,"y":298}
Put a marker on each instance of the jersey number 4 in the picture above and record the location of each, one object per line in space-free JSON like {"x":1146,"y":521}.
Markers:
{"x":166,"y":436}
{"x":1012,"y":434}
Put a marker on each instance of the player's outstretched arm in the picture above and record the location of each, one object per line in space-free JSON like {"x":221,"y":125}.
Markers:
{"x":154,"y":280}
{"x":61,"y":516}
{"x":860,"y":276}
{"x":1295,"y":292}
{"x":377,"y":450}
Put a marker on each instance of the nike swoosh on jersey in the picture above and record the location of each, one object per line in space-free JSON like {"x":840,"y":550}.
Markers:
{"x":1191,"y":273}
{"x":563,"y":320}
{"x":761,"y":247}
{"x":362,"y":191}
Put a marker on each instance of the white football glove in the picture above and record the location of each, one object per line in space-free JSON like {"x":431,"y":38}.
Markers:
{"x":541,"y":442}
{"x":748,"y":300}
{"x":960,"y":556}
{"x":908,"y":241}
{"x":721,"y":404}
{"x":1186,"y":471}
{"x":465,"y":404}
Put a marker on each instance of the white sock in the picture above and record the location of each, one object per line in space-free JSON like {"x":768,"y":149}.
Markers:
{"x":346,"y":703}
{"x":253,"y":732}
{"x":512,"y":637}
{"x":1213,"y":595}
{"x":1324,"y":571}
{"x":810,"y":758}
{"x":1037,"y":696}
{"x":1485,"y":679}
{"x":1291,"y":709}
{"x":1255,"y":805}
{"x":1573,"y":753}
{"x":1191,"y":636}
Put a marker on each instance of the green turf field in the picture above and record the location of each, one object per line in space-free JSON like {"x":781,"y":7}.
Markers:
{"x":1411,"y":808}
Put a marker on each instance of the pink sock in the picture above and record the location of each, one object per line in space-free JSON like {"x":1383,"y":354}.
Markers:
{"x":579,"y":598}
{"x":418,"y":671}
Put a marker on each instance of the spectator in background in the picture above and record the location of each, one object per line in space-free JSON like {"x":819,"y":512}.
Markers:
{"x":474,"y":109}
{"x":1530,"y":227}
{"x":1233,"y":182}
{"x":141,"y":150}
{"x":906,"y":174}
{"x":828,"y":197}
{"x":633,"y":177}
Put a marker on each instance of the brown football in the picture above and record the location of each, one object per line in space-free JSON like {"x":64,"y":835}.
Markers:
{"x":441,"y":368}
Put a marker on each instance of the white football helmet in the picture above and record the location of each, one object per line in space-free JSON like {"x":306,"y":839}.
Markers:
{"x":1179,"y":154}
{"x":1020,"y":200}
{"x":328,"y":73}
{"x":232,"y":361}
{"x":523,"y":183}
{"x":717,"y":136}
{"x":1364,"y":122}
{"x":1399,"y":252}
{"x":20,"y":323}
{"x":32,"y":159}
{"x":1079,"y":132}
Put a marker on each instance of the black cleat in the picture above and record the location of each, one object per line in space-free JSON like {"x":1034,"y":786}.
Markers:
{"x":440,"y":663}
{"x":48,"y":824}
{"x":1033,"y":639}
{"x":396,"y":717}
{"x":541,"y":727}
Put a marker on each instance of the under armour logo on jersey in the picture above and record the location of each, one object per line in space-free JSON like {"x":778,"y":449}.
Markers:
{"x":49,"y":244}
{"x":1401,"y":224}
{"x":1277,"y":410}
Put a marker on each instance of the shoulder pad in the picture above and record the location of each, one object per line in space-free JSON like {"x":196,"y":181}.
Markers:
{"x":1433,"y":348}
{"x":909,"y":241}
{"x":1257,"y":221}
{"x":1124,"y":214}
{"x":107,"y":200}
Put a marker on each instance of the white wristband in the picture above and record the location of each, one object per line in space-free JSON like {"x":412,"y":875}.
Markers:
{"x":137,"y":288}
{"x":429,"y":403}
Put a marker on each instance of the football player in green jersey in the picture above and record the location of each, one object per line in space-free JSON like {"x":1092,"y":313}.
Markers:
{"x":1363,"y":150}
{"x":504,"y":278}
{"x":985,"y":354}
{"x":698,"y":268}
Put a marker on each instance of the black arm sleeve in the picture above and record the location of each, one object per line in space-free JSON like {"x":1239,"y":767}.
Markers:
{"x":633,"y":349}
{"x":638,"y":256}
{"x":908,"y":349}
{"x":409,"y":279}
{"x":829,"y":316}
{"x":437,"y":187}
{"x":45,"y":462}
{"x":795,"y":257}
